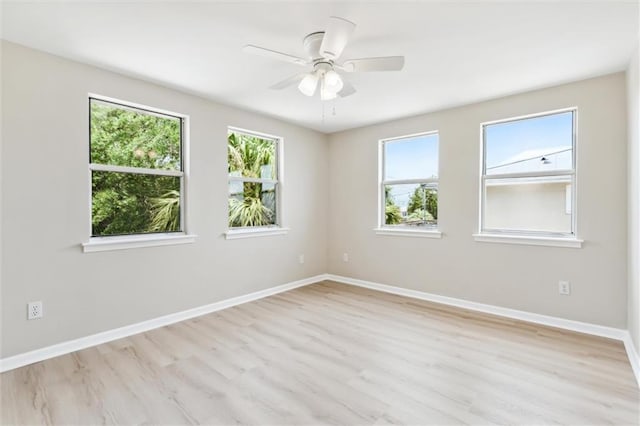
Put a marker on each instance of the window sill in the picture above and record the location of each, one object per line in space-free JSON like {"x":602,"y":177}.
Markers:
{"x":432,"y":233}
{"x":234,"y":234}
{"x":129,"y":242}
{"x":529,"y":240}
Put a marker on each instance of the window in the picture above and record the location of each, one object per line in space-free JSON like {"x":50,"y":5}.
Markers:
{"x":254,"y":184}
{"x":409,"y":183}
{"x":137,"y":170}
{"x":528,"y":176}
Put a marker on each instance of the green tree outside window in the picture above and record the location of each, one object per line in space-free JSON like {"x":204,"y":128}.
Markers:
{"x":252,"y":180}
{"x":128,"y":141}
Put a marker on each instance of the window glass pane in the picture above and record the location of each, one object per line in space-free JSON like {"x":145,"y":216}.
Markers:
{"x":411,"y":158}
{"x":251,"y":204}
{"x":251,"y":156}
{"x":128,"y":203}
{"x":530,"y":145}
{"x":134,"y":138}
{"x":528,"y":204}
{"x":411,"y":205}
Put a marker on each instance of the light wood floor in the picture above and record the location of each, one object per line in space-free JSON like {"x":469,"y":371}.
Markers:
{"x":333,"y":354}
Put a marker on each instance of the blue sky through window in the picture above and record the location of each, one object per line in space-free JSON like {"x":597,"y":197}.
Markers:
{"x":412,"y":158}
{"x":529,"y":145}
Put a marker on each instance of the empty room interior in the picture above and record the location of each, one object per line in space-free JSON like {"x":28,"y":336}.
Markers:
{"x":300,"y":213}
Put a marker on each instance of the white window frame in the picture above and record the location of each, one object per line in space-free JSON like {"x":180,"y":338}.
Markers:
{"x":268,"y":230}
{"x":529,"y":237}
{"x":404,"y":231}
{"x":119,"y":242}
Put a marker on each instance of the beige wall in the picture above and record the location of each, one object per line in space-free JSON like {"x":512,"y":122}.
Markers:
{"x":514,"y":276}
{"x":45,"y":216}
{"x":533,"y":206}
{"x":633,"y":98}
{"x":330,"y":203}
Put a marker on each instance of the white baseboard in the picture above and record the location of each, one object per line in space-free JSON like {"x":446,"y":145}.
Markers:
{"x":634,"y":359}
{"x":582,"y":327}
{"x":84,"y":342}
{"x":107,"y":336}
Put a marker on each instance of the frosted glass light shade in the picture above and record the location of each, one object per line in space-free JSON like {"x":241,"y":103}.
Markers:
{"x":333,"y":82}
{"x":308,"y":84}
{"x":326,"y":95}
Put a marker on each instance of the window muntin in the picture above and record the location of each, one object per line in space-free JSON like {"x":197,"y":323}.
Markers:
{"x":409,"y":184}
{"x":253,"y":167}
{"x":528,"y":175}
{"x":136,"y":165}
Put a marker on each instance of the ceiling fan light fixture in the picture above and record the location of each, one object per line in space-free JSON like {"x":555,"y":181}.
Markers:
{"x":333,"y":82}
{"x":325,"y":93}
{"x":323,"y":50}
{"x":308,"y":84}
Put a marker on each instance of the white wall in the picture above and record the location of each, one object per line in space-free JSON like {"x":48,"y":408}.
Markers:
{"x":45,"y":215}
{"x":1,"y":182}
{"x":514,"y":276}
{"x":633,"y":98}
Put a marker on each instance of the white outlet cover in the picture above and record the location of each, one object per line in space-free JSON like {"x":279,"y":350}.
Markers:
{"x":564,"y":287}
{"x":34,"y":310}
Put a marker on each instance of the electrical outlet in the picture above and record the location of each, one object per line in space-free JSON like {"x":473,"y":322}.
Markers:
{"x":301,"y":258}
{"x":34,"y":310}
{"x":564,"y":287}
{"x":345,"y":257}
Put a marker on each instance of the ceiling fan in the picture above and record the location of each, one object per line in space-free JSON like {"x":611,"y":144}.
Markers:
{"x":323,"y":49}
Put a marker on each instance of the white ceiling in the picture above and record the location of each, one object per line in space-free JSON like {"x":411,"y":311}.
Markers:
{"x":456,"y":52}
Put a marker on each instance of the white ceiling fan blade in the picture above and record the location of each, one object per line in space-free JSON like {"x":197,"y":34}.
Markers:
{"x":268,"y":53}
{"x":347,"y":89}
{"x":336,"y":37}
{"x":294,"y":79}
{"x":387,"y":63}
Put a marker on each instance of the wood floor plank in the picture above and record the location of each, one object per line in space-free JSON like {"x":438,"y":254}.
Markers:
{"x":333,"y":354}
